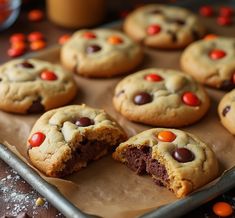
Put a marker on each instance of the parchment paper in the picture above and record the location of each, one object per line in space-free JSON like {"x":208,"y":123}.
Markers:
{"x":108,"y":188}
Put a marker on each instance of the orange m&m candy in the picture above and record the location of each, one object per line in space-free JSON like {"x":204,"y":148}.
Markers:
{"x":222,"y":209}
{"x":48,"y":75}
{"x":35,"y":15}
{"x":153,"y":29}
{"x":64,"y":38}
{"x":153,"y":77}
{"x":210,"y":37}
{"x":115,"y":40}
{"x":37,"y":45}
{"x":166,"y":136}
{"x":19,"y":45}
{"x":191,"y":99}
{"x":37,"y":139}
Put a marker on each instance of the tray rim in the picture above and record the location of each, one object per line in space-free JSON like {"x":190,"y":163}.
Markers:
{"x":53,"y":195}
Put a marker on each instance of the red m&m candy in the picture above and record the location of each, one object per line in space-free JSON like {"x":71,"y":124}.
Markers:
{"x":33,"y":36}
{"x":153,"y":29}
{"x":206,"y":11}
{"x":190,"y":99}
{"x":35,"y":15}
{"x":16,"y":37}
{"x":153,"y":77}
{"x":89,"y":35}
{"x":48,"y":75}
{"x":37,"y":139}
{"x":217,"y":54}
{"x":15,"y":52}
{"x":226,"y":11}
{"x":224,"y":21}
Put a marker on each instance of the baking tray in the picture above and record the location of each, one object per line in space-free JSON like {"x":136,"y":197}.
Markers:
{"x":52,"y":194}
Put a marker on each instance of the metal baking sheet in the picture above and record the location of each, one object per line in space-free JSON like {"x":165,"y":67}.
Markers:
{"x":172,"y":210}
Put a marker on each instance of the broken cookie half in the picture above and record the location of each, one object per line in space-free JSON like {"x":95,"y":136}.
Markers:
{"x":173,"y":158}
{"x":66,"y":139}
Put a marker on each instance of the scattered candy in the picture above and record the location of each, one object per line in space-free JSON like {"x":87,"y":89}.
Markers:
{"x":48,"y":75}
{"x":19,"y":45}
{"x":12,"y":52}
{"x":190,"y":99}
{"x":183,"y":155}
{"x":153,"y":29}
{"x":153,"y":77}
{"x":35,"y":15}
{"x":39,"y":202}
{"x":115,"y":40}
{"x":226,"y":11}
{"x":84,"y":121}
{"x":206,"y":11}
{"x":64,"y":38}
{"x":34,"y":36}
{"x":166,"y":136}
{"x":93,"y":48}
{"x":37,"y":45}
{"x":142,"y":98}
{"x":89,"y":35}
{"x":217,"y":54}
{"x":222,"y":209}
{"x":37,"y":139}
{"x":224,"y":21}
{"x":210,"y":37}
{"x":16,"y":37}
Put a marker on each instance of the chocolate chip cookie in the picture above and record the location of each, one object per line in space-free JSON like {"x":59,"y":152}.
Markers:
{"x":100,"y":53}
{"x":173,"y":158}
{"x":66,"y":139}
{"x":226,"y":110}
{"x":163,"y":26}
{"x":211,"y":62}
{"x":161,"y":97}
{"x":34,"y":86}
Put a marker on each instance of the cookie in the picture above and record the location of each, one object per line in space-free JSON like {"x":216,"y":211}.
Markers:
{"x":34,"y":86}
{"x":66,"y":139}
{"x":173,"y":158}
{"x":161,"y":97}
{"x":226,"y":111}
{"x":161,"y":26}
{"x":100,"y":53}
{"x":211,"y":62}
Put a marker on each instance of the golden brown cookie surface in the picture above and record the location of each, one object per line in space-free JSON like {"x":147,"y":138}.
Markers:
{"x":175,"y":159}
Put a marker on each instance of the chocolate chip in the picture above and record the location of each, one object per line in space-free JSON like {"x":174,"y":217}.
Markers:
{"x":183,"y":155}
{"x":142,"y":98}
{"x":173,"y":36}
{"x":36,"y":107}
{"x":195,"y":35}
{"x":227,"y":85}
{"x":26,"y":64}
{"x":226,"y":110}
{"x":176,"y":21}
{"x":156,"y":11}
{"x":93,"y":48}
{"x":84,"y":121}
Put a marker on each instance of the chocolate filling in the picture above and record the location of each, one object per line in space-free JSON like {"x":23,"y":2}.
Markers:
{"x":227,"y":85}
{"x":36,"y":107}
{"x":85,"y":152}
{"x":140,"y":161}
{"x":173,"y":36}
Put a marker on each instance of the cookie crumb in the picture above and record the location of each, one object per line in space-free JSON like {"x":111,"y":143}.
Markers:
{"x":39,"y":202}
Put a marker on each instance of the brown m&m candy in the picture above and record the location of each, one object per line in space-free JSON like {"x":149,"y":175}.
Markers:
{"x":142,"y":98}
{"x":93,"y":48}
{"x":26,"y":64}
{"x":183,"y":155}
{"x":84,"y":121}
